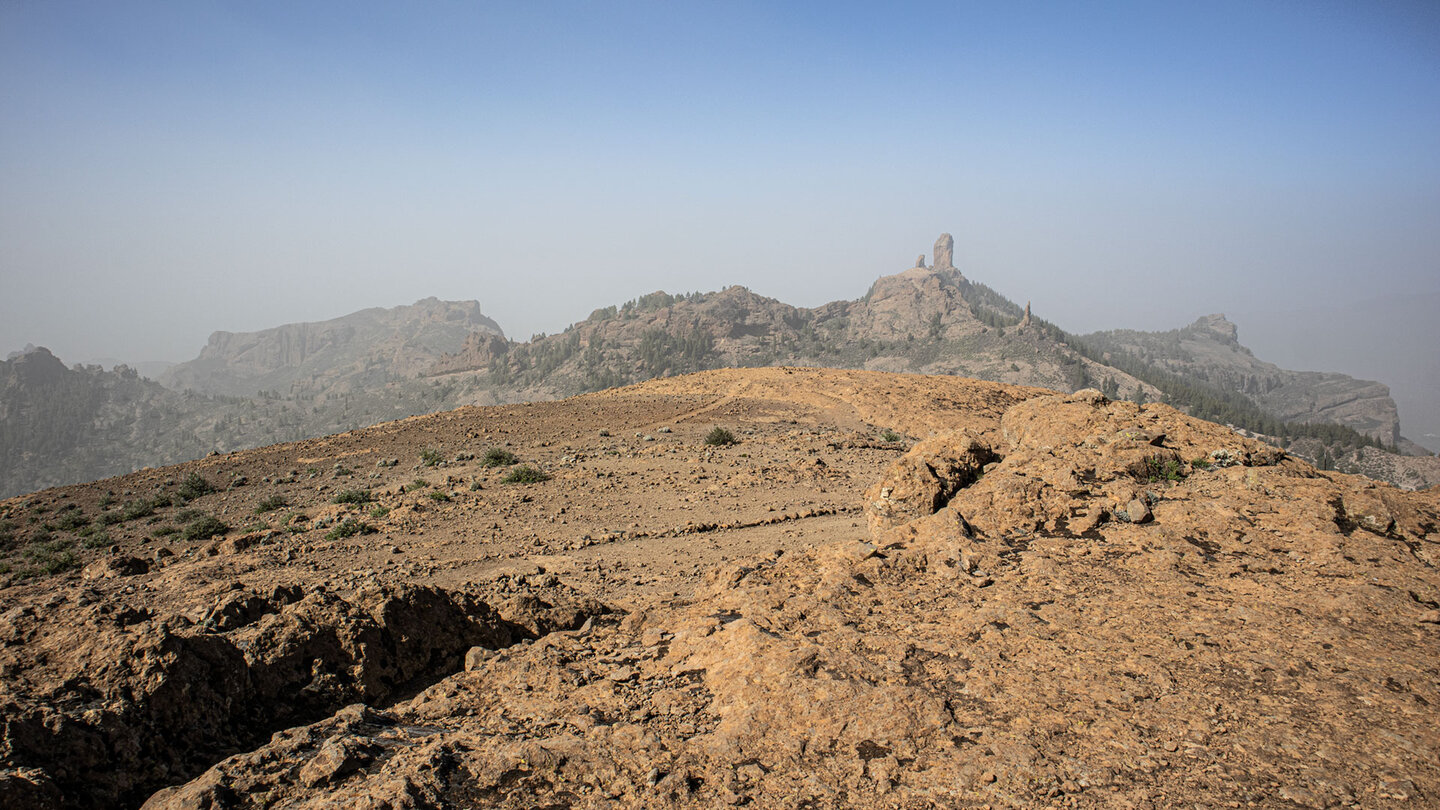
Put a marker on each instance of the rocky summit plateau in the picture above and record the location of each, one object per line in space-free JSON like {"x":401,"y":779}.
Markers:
{"x":764,"y":588}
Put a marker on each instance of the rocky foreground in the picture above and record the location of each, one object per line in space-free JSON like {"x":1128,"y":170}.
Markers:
{"x":893,"y":591}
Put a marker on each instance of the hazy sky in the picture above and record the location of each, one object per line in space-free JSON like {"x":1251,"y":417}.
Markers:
{"x":168,"y":169}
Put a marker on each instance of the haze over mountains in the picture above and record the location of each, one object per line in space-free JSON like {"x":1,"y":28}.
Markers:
{"x":61,"y":425}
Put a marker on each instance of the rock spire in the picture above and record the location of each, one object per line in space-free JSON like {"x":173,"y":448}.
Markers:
{"x":944,"y":252}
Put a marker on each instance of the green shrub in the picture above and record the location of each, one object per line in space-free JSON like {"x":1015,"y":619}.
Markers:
{"x":416,"y":485}
{"x":719,"y":437}
{"x":354,"y":496}
{"x":1201,"y":463}
{"x":204,"y":528}
{"x":194,"y":486}
{"x":349,"y":527}
{"x":499,"y":457}
{"x":889,"y":435}
{"x":109,"y":518}
{"x":164,"y":531}
{"x":525,"y":475}
{"x":270,"y":504}
{"x":379,"y":512}
{"x":143,"y":507}
{"x":431,"y":457}
{"x":52,"y":556}
{"x":440,"y":497}
{"x":71,"y":520}
{"x":97,"y":540}
{"x":1162,"y":469}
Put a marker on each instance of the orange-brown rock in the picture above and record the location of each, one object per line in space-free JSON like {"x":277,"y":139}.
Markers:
{"x":1007,"y":634}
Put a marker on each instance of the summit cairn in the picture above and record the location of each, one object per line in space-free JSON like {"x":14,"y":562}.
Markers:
{"x":944,"y":252}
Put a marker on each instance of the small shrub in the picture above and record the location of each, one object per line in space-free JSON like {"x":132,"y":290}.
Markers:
{"x":143,"y":507}
{"x":97,"y":540}
{"x":525,"y":475}
{"x":161,"y":531}
{"x":1201,"y":463}
{"x":1162,"y":469}
{"x":349,"y":527}
{"x":187,"y":515}
{"x":270,"y":504}
{"x":889,"y":435}
{"x":109,"y":518}
{"x":476,"y":486}
{"x":379,"y":512}
{"x":440,"y":497}
{"x":720,"y":437}
{"x":52,"y":556}
{"x":499,"y":457}
{"x":107,"y":500}
{"x":431,"y":457}
{"x":204,"y":528}
{"x":71,"y":520}
{"x":417,"y":485}
{"x":353,"y":496}
{"x":194,"y":486}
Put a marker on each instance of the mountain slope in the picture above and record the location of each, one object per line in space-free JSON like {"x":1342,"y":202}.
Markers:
{"x":1209,"y":350}
{"x":361,"y":350}
{"x":59,"y":425}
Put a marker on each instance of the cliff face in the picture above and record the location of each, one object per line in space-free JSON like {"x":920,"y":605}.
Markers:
{"x":1210,"y":350}
{"x":363,"y":349}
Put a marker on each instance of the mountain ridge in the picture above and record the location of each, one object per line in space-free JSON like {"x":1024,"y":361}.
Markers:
{"x":315,"y":378}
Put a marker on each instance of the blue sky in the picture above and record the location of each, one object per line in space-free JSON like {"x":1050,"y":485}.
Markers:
{"x":167,"y":169}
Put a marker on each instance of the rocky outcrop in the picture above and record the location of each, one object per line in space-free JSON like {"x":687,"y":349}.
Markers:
{"x":153,"y":699}
{"x":945,"y":252}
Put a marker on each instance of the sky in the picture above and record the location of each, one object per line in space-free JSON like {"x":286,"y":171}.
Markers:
{"x":170,"y":169}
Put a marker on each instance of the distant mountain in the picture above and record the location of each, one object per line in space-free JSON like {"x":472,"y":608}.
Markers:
{"x":1209,"y":350}
{"x":929,"y":320}
{"x":354,"y":353}
{"x":62,"y":425}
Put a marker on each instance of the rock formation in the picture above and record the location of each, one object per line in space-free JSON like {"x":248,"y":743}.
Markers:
{"x":944,"y":252}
